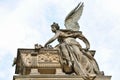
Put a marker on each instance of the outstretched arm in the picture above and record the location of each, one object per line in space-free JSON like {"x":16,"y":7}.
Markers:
{"x":52,"y":39}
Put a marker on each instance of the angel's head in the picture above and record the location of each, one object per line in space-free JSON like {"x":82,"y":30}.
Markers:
{"x":55,"y":27}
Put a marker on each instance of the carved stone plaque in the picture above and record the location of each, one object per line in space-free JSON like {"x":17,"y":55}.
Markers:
{"x":41,"y":58}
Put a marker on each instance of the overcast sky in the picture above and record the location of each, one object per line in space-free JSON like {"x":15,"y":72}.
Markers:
{"x":26,"y":22}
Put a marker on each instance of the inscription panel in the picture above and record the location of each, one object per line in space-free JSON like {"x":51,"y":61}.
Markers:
{"x":42,"y":58}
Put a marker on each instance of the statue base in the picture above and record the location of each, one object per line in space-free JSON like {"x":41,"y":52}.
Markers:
{"x":56,"y":77}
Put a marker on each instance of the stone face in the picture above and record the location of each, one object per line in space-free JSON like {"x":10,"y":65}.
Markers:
{"x":56,"y":77}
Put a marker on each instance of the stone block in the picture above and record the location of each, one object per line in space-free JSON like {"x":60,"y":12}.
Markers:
{"x":55,"y":77}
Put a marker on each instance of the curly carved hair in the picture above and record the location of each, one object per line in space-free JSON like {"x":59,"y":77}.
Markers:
{"x":55,"y":25}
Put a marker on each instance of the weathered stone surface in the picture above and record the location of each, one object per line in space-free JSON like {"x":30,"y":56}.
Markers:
{"x":45,"y":60}
{"x":56,"y":77}
{"x":68,"y":60}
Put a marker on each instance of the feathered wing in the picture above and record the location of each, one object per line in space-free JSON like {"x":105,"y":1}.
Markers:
{"x":71,"y":20}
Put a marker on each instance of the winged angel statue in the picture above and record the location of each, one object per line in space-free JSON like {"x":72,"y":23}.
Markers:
{"x":74,"y":58}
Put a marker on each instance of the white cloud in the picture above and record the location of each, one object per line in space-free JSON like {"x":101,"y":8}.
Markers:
{"x":111,"y":6}
{"x":16,"y":30}
{"x":2,"y":75}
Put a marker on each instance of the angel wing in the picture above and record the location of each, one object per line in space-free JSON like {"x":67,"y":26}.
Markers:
{"x":71,"y":20}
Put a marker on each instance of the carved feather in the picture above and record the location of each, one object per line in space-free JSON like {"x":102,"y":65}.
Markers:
{"x":71,"y":20}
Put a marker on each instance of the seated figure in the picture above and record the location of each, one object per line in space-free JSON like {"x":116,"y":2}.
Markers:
{"x":74,"y":58}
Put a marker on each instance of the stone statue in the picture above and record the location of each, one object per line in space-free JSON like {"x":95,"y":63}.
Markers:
{"x":74,"y":59}
{"x":68,"y":60}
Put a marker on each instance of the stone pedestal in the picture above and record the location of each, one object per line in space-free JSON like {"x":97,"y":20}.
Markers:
{"x":55,"y":77}
{"x":44,"y":64}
